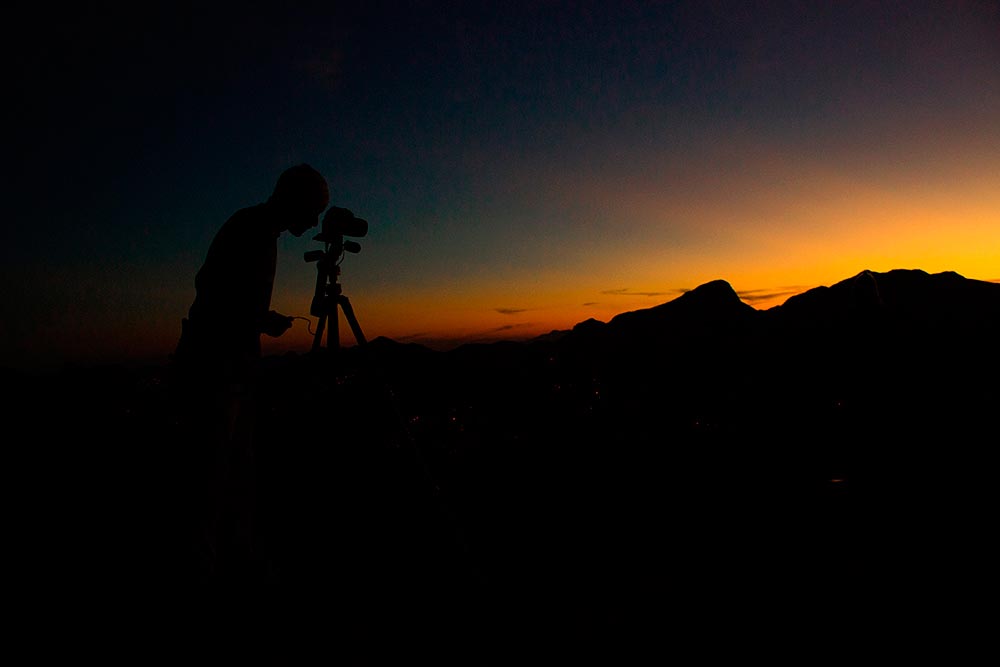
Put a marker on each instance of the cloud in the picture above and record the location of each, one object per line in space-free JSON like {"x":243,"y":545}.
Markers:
{"x":508,"y":327}
{"x":510,"y":311}
{"x":752,"y":295}
{"x":627,"y":291}
{"x":591,"y":303}
{"x":451,"y":342}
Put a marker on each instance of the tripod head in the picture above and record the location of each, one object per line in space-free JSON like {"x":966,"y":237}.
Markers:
{"x":337,"y":223}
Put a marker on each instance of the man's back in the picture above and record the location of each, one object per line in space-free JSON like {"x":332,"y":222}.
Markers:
{"x":234,"y":288}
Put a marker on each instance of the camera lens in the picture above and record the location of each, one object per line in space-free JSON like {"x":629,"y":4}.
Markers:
{"x":341,"y":221}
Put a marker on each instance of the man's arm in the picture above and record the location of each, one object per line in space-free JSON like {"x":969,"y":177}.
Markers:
{"x":275,"y":323}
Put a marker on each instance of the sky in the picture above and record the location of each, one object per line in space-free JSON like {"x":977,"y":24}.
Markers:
{"x":523,"y":166}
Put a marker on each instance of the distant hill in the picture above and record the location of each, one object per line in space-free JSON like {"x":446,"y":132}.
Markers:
{"x":899,"y":297}
{"x":900,"y":329}
{"x":912,"y":296}
{"x":906,"y":356}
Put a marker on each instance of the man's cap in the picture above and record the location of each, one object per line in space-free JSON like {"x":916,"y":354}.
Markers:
{"x":302,"y":185}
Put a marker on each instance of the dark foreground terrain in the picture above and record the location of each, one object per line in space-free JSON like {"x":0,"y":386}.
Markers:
{"x":697,"y":479}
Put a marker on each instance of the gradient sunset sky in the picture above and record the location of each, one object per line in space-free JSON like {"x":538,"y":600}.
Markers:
{"x":523,"y":166}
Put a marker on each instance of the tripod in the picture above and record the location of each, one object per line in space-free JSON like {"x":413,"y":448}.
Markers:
{"x":326,"y":299}
{"x":328,"y":296}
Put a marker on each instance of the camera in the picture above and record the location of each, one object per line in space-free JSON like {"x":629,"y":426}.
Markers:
{"x":337,"y":223}
{"x":340,"y":222}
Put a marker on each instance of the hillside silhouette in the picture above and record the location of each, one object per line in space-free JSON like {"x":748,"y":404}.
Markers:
{"x":695,"y":468}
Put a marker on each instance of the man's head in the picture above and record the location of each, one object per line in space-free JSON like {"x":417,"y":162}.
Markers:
{"x":300,"y":196}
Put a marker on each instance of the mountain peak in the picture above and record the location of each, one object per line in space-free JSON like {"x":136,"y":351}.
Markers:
{"x":716,"y":291}
{"x":709,"y":304}
{"x":589,"y":325}
{"x":715,"y":298}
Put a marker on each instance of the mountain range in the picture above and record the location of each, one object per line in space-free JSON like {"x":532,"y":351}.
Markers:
{"x":903,"y":335}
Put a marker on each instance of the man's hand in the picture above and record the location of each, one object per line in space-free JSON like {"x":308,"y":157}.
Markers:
{"x":276,"y":324}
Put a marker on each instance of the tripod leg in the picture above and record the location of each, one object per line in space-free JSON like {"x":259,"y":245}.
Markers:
{"x":345,"y":303}
{"x":318,"y":337}
{"x":333,"y":337}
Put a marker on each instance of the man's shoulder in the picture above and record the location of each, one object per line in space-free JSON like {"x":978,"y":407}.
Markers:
{"x":255,"y":212}
{"x":249,"y":221}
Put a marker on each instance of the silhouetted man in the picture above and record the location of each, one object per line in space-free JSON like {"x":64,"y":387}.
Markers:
{"x":217,"y":358}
